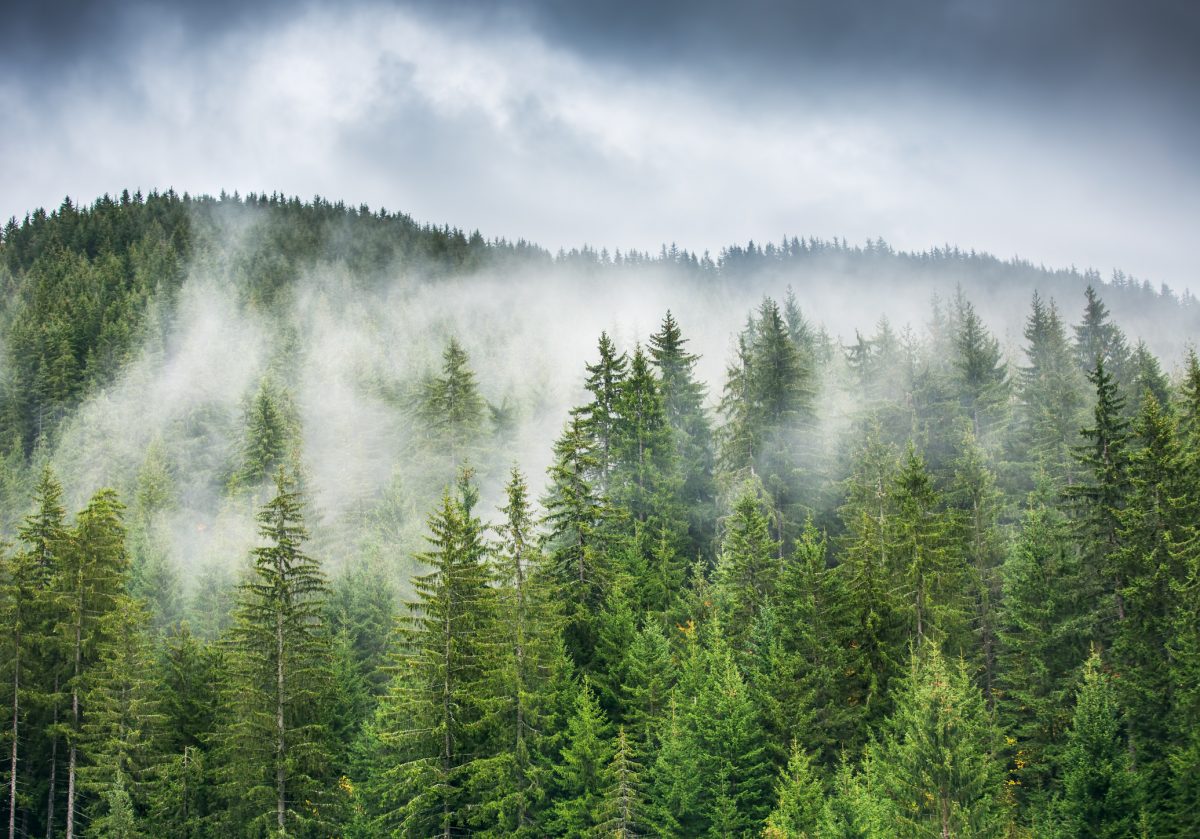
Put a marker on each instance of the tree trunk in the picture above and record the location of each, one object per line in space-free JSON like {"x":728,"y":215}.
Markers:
{"x":53,"y":766}
{"x":280,"y":743}
{"x":16,"y":716}
{"x":71,"y":751}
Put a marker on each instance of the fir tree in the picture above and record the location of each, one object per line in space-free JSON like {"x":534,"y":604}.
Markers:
{"x":275,"y":759}
{"x":683,"y":400}
{"x":450,"y":404}
{"x":579,"y":774}
{"x":937,"y":763}
{"x":1098,"y":786}
{"x":799,"y":800}
{"x":432,"y":716}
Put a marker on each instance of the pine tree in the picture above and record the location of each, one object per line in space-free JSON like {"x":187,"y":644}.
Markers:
{"x":937,"y":763}
{"x":748,"y":567}
{"x":1098,"y":787}
{"x":275,"y":759}
{"x":450,"y":404}
{"x":432,"y":717}
{"x":89,"y":585}
{"x":620,"y":814}
{"x":530,"y":663}
{"x":683,"y":400}
{"x":579,"y":774}
{"x":799,"y":800}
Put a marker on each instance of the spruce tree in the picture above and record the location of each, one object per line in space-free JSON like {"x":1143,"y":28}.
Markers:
{"x":275,"y":749}
{"x":434,"y":716}
{"x":1151,"y":574}
{"x":981,"y":371}
{"x":1101,"y":495}
{"x":90,"y":584}
{"x":121,"y":732}
{"x":601,"y":416}
{"x":1043,"y":630}
{"x":799,"y":800}
{"x":529,"y":663}
{"x":937,"y":762}
{"x":578,"y":540}
{"x":683,"y":398}
{"x":1050,"y":397}
{"x":579,"y":774}
{"x":1099,"y":341}
{"x":450,"y":404}
{"x":621,"y":813}
{"x":1099,"y":797}
{"x":748,"y":567}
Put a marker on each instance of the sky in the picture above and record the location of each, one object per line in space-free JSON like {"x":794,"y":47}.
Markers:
{"x":1063,"y":131}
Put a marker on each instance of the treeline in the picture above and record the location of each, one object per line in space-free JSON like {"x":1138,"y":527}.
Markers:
{"x":84,"y":288}
{"x":964,"y":605}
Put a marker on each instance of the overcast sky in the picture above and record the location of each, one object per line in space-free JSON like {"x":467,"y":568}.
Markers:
{"x":1065,"y":131}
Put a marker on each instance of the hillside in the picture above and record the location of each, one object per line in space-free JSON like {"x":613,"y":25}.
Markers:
{"x":808,"y":538}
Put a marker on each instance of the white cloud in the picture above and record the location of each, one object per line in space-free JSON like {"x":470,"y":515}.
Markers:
{"x":500,"y":131}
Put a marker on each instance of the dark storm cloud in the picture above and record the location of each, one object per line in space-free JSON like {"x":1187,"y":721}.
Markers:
{"x":1065,"y":131}
{"x":1049,"y":45}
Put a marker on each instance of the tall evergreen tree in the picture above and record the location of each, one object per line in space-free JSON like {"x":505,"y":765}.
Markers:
{"x":450,"y":404}
{"x":579,"y":775}
{"x":90,"y":585}
{"x":438,"y":704}
{"x":683,"y":399}
{"x":937,"y":763}
{"x":275,"y":749}
{"x":515,"y":783}
{"x":1099,"y":796}
{"x":601,"y":416}
{"x":1099,"y":340}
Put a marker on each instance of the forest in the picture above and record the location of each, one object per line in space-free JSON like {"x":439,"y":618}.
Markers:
{"x":322,"y":522}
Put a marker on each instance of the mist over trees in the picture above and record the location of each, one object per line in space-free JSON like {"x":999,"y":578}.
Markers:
{"x":372,"y":541}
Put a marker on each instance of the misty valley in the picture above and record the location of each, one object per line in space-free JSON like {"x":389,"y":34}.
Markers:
{"x":322,"y":522}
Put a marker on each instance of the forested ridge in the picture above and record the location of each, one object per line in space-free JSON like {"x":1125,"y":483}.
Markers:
{"x":938,"y":578}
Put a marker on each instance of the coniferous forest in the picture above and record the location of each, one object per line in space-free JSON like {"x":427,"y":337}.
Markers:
{"x":321,"y":522}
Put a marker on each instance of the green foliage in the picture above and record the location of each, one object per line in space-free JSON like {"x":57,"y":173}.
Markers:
{"x":1099,"y":795}
{"x":274,"y":745}
{"x":937,"y":762}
